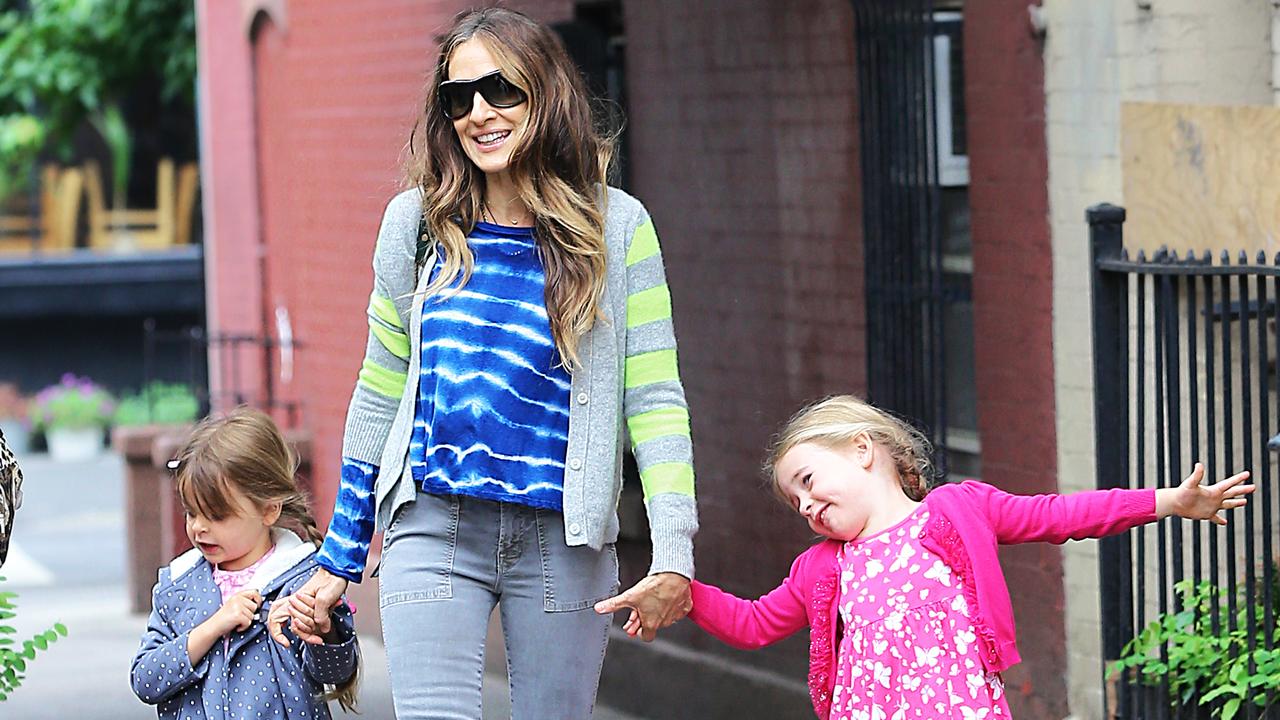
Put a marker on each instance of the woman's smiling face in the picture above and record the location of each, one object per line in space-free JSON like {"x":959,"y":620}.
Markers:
{"x":488,"y":134}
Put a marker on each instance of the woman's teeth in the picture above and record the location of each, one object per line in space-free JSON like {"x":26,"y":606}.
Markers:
{"x":487,"y":138}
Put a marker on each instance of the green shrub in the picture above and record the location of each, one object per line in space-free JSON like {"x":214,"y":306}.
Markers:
{"x":13,"y":663}
{"x":1205,"y":667}
{"x":159,"y":403}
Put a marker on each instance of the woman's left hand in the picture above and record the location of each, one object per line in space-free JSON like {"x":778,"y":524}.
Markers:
{"x":656,"y":602}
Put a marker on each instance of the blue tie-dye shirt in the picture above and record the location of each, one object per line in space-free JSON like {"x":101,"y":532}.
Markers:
{"x":492,"y":417}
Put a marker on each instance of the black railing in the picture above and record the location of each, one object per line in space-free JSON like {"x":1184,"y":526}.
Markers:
{"x":1184,"y":354}
{"x":901,"y":201}
{"x":248,"y":367}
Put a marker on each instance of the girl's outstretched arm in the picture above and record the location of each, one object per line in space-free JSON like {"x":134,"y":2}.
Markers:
{"x":1194,"y":501}
{"x":750,"y":624}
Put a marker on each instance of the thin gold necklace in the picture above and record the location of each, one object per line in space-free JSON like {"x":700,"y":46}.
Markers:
{"x":485,"y":209}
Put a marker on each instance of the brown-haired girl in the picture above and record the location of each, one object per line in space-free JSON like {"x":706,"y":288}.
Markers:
{"x":907,"y":606}
{"x":206,"y":652}
{"x":520,"y":324}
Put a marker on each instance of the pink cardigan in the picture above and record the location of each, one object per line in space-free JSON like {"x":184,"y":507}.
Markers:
{"x":966,"y":522}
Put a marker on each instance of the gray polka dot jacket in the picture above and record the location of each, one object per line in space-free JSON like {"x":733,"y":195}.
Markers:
{"x":250,"y":675}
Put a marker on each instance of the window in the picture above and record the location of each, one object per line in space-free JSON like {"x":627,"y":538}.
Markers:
{"x":963,"y":446}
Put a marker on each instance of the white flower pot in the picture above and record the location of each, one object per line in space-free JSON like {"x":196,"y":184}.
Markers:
{"x":74,"y":444}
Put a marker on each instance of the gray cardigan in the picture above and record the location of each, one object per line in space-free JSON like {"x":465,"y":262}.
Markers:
{"x":627,"y":376}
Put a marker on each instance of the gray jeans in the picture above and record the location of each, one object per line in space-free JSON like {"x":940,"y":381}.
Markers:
{"x":446,"y":560}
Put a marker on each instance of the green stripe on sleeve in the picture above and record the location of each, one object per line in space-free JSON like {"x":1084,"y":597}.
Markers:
{"x":649,"y":368}
{"x":388,"y":383}
{"x":658,"y":423}
{"x":385,"y":310}
{"x":396,"y":343}
{"x":667,"y":478}
{"x":648,"y":305}
{"x":644,"y":243}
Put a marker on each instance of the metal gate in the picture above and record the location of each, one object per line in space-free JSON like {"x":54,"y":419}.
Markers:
{"x":900,"y":197}
{"x":1184,"y":353}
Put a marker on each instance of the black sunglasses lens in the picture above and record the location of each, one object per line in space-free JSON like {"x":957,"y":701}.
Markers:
{"x":455,"y":100}
{"x":499,"y":93}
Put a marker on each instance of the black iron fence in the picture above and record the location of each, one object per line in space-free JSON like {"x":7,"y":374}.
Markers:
{"x":1185,"y":371}
{"x":248,"y":367}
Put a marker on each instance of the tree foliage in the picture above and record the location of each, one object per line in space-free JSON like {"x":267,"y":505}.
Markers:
{"x":63,"y":62}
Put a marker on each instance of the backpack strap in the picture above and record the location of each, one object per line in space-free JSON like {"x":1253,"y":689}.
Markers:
{"x":420,"y":249}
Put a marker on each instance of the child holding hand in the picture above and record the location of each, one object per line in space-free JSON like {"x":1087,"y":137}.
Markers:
{"x":908,"y":609}
{"x":206,"y":652}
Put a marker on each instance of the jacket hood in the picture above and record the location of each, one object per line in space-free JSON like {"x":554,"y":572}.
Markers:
{"x":290,"y":550}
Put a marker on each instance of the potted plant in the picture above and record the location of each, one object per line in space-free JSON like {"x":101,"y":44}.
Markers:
{"x":13,"y":418}
{"x":73,"y":416}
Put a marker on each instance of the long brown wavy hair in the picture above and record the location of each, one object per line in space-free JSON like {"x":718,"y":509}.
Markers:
{"x":560,"y":165}
{"x":245,"y":450}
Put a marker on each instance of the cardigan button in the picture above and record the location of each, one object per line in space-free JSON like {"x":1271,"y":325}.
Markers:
{"x":575,"y":529}
{"x":582,"y":398}
{"x":576,"y":463}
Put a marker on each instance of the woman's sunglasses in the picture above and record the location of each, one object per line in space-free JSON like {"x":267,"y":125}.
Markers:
{"x":456,"y":96}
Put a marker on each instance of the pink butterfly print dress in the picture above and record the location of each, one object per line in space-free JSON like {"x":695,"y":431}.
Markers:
{"x":909,"y":649}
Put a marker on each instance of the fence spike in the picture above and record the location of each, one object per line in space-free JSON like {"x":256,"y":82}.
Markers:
{"x":1226,"y":257}
{"x":1277,"y":260}
{"x":1262,"y":257}
{"x":1208,"y":257}
{"x":1244,"y":259}
{"x":1142,"y":256}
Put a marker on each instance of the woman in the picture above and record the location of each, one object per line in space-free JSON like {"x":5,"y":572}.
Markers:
{"x":505,"y":351}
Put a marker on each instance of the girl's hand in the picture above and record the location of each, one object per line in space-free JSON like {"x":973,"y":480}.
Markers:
{"x":237,"y":612}
{"x":1194,"y":501}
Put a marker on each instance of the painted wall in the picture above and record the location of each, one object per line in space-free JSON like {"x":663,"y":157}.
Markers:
{"x":1098,"y":54}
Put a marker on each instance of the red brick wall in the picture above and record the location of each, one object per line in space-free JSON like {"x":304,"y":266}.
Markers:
{"x":1008,"y":164}
{"x":744,"y":149}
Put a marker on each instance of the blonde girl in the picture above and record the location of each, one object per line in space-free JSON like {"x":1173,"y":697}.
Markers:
{"x":206,"y":651}
{"x":908,"y":609}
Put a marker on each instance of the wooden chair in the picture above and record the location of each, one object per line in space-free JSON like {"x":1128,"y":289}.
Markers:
{"x":188,"y":188}
{"x":131,"y":228}
{"x":52,"y":226}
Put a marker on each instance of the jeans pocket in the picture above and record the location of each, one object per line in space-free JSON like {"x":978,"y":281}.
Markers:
{"x":418,"y":550}
{"x":573,"y":578}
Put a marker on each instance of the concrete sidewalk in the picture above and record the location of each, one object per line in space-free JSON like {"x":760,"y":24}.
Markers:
{"x":68,"y":565}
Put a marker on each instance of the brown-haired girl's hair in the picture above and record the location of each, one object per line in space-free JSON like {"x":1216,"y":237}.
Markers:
{"x":560,"y":166}
{"x":837,"y":420}
{"x":245,"y":450}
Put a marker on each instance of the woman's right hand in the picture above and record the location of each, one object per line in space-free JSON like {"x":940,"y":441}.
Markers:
{"x":310,"y":606}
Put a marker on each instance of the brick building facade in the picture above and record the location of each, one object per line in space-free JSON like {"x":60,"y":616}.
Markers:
{"x":743,"y":143}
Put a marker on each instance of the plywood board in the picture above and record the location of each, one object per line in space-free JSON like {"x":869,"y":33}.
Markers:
{"x":1199,"y":177}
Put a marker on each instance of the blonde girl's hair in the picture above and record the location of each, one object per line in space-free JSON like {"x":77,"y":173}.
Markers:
{"x":245,"y":450}
{"x":560,"y":166}
{"x":836,"y":421}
